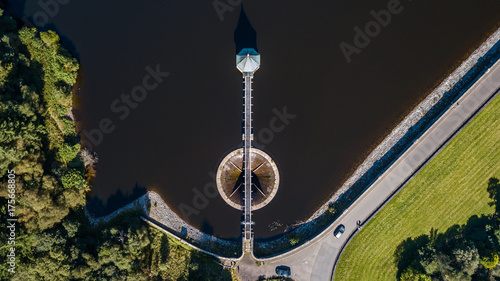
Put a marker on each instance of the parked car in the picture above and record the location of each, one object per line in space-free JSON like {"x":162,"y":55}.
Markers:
{"x":339,"y":231}
{"x":283,"y":270}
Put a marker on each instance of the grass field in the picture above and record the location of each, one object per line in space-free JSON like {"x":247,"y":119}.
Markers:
{"x":449,"y":190}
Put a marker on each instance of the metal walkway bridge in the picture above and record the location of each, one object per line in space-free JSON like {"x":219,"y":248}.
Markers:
{"x":247,"y":61}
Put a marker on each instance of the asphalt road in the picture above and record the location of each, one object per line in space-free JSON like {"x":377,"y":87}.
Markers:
{"x":316,"y":259}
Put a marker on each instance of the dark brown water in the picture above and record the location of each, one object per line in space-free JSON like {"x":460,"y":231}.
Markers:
{"x":178,"y":134}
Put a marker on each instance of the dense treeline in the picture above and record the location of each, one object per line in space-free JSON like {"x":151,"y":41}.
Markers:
{"x":39,"y":144}
{"x":465,"y":252}
{"x":37,"y":137}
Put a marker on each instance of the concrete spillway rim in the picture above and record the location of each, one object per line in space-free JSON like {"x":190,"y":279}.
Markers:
{"x":268,"y":159}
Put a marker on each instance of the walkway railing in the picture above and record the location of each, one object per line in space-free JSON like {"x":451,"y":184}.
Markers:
{"x":247,"y":166}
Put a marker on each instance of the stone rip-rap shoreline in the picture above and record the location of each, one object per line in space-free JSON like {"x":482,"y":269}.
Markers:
{"x":411,"y":119}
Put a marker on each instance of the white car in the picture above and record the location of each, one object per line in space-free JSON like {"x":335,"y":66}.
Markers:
{"x":339,"y":231}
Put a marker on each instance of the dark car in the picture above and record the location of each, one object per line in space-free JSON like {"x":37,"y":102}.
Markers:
{"x":283,"y":270}
{"x":339,"y":231}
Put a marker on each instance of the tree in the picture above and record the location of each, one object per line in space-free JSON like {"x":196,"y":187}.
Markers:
{"x":68,"y":152}
{"x":73,"y":178}
{"x":411,"y":274}
{"x":88,"y":158}
{"x":71,"y":227}
{"x":49,"y":37}
{"x":466,"y":258}
{"x":72,"y":198}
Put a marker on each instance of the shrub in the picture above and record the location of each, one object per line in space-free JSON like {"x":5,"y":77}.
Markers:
{"x":293,"y":239}
{"x":489,"y":261}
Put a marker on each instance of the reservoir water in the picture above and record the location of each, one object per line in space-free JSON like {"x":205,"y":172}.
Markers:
{"x":171,"y":138}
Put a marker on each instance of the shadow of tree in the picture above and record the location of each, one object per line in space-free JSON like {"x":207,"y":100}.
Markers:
{"x":97,"y":208}
{"x":493,"y":190}
{"x":15,"y":8}
{"x":478,"y":231}
{"x":407,"y":252}
{"x":164,"y":250}
{"x":203,"y":267}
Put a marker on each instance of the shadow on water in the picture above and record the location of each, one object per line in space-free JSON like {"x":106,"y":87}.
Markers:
{"x":207,"y":228}
{"x":65,"y":41}
{"x":17,"y":9}
{"x":97,"y":208}
{"x":245,"y":35}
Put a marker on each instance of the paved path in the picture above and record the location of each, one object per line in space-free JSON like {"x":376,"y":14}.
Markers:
{"x":315,"y":259}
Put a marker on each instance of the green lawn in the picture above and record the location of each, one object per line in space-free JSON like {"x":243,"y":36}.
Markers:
{"x":449,"y":190}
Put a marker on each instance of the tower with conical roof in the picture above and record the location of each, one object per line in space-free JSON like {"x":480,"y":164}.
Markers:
{"x":248,"y":61}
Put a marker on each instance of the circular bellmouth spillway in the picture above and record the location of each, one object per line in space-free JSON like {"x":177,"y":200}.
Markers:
{"x":265,"y":179}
